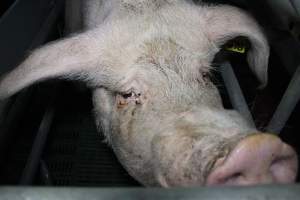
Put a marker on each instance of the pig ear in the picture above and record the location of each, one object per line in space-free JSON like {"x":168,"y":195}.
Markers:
{"x":70,"y":58}
{"x":225,"y":23}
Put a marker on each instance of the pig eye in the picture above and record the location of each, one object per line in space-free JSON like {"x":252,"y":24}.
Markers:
{"x":124,"y":99}
{"x":130,"y":95}
{"x":205,"y":78}
{"x":127,"y":95}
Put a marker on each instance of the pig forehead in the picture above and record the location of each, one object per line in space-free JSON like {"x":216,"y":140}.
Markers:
{"x":191,"y":37}
{"x":186,"y":28}
{"x":168,"y":45}
{"x":162,"y":60}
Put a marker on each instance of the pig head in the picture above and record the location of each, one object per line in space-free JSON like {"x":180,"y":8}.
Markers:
{"x":148,"y":64}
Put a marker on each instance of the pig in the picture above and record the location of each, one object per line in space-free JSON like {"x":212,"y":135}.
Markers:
{"x":148,"y":64}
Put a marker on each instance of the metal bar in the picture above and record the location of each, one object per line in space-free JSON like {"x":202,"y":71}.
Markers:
{"x":73,"y":16}
{"x":263,"y":192}
{"x":3,"y":109}
{"x":37,"y":149}
{"x":45,"y":174}
{"x":11,"y":120}
{"x":287,"y":104}
{"x":235,"y":93}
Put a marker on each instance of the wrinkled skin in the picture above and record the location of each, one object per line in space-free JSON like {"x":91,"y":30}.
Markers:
{"x":148,"y":64}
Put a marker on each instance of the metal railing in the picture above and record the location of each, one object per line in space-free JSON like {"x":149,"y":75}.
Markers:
{"x":284,"y":109}
{"x":263,"y":192}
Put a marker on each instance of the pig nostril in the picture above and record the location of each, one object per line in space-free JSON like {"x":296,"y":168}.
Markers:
{"x":236,"y":175}
{"x":256,"y":159}
{"x":233,"y":178}
{"x":280,"y":161}
{"x":284,"y":169}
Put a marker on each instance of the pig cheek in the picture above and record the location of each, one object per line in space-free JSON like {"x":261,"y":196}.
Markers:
{"x":126,"y":115}
{"x":128,"y":111}
{"x":126,"y":135}
{"x":124,"y":143}
{"x":173,"y":162}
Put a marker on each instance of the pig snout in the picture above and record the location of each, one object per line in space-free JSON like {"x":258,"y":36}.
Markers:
{"x":257,"y":159}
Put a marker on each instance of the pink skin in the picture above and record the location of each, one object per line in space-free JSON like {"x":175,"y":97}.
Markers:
{"x":258,"y":159}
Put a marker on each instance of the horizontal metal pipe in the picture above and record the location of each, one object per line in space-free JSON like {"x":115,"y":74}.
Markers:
{"x":287,"y":104}
{"x":235,"y":93}
{"x":263,"y":192}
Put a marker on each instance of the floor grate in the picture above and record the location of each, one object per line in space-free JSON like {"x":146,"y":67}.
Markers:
{"x":76,"y":154}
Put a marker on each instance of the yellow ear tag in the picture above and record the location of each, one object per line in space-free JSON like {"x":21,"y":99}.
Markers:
{"x":238,"y":49}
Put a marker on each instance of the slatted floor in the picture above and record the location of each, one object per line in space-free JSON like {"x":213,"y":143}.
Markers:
{"x":76,"y":154}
